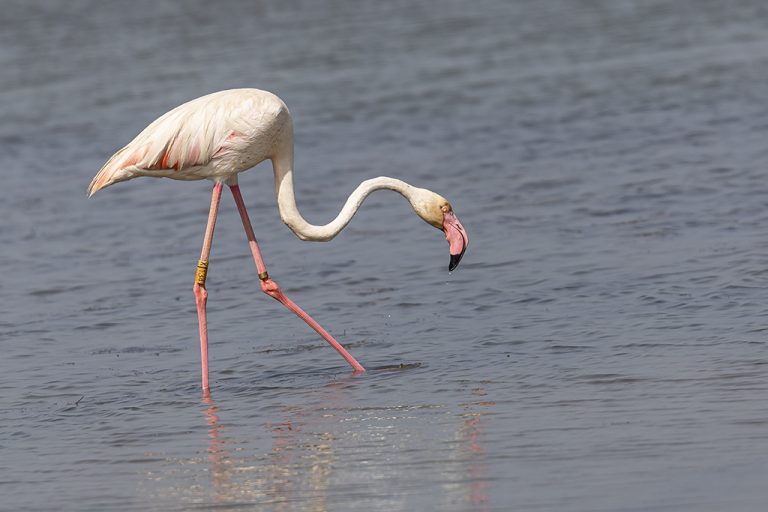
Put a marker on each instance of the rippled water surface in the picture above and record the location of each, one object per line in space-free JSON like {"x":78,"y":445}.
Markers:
{"x":602,"y":347}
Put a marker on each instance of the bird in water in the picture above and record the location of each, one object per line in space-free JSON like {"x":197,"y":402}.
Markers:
{"x":219,"y":135}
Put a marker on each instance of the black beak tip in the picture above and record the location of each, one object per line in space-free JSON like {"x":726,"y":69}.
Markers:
{"x":455,"y":259}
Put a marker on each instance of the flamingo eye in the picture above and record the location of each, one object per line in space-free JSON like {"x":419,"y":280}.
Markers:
{"x":445,"y":208}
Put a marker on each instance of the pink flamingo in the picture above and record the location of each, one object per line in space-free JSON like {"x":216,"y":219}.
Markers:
{"x":219,"y":135}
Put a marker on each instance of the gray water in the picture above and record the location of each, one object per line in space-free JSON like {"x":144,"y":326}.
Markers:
{"x":602,"y":347}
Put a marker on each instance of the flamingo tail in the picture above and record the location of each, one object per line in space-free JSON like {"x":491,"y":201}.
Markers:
{"x":112,"y":172}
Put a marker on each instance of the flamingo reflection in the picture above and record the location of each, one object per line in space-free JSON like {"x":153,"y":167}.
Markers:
{"x":298,"y":465}
{"x":471,"y":436}
{"x":219,"y":460}
{"x":311,"y":454}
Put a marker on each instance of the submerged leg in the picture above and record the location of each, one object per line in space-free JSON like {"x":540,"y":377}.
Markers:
{"x":201,"y":294}
{"x":271,"y":288}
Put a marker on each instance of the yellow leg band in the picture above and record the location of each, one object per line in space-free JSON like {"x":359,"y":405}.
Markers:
{"x":263,"y":276}
{"x":202,"y":271}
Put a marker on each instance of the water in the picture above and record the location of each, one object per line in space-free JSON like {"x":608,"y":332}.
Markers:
{"x":601,"y":347}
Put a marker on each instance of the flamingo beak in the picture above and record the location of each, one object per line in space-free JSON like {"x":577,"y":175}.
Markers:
{"x":456,"y":236}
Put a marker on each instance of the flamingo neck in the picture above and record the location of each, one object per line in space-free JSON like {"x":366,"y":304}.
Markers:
{"x":289,"y":211}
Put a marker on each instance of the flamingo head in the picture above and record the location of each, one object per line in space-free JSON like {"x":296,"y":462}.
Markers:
{"x":435,"y":210}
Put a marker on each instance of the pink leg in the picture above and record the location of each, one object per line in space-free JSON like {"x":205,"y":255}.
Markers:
{"x":271,"y":288}
{"x":201,"y":294}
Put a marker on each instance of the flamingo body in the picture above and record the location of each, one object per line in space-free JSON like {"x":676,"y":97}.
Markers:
{"x":212,"y":137}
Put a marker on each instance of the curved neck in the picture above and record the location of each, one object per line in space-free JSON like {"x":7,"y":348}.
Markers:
{"x":289,"y":212}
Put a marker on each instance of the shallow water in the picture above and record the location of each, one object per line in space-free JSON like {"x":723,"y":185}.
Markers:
{"x":601,"y":347}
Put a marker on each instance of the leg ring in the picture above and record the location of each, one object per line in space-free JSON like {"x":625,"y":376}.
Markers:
{"x":202,"y":271}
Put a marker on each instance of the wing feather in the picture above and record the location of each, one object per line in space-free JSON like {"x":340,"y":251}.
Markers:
{"x":190,"y":135}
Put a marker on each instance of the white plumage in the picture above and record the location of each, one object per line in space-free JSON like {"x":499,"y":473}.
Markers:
{"x":214,"y":136}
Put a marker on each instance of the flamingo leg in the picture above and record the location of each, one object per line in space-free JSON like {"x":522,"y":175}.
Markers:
{"x":201,"y":294}
{"x":271,"y":288}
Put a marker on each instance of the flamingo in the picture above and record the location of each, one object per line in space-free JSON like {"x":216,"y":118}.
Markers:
{"x":219,"y":135}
